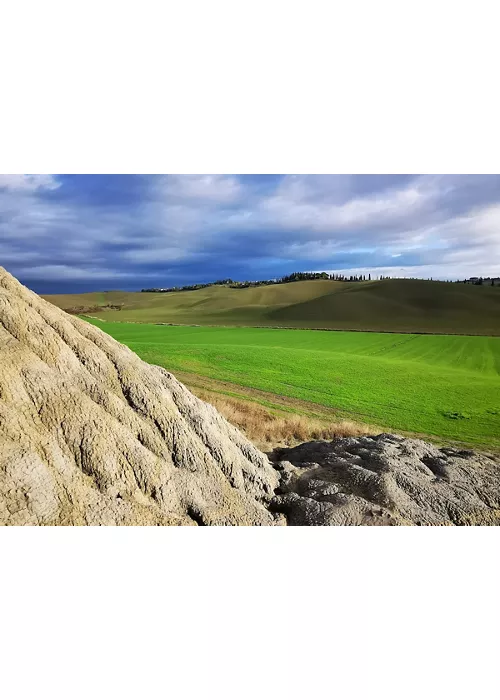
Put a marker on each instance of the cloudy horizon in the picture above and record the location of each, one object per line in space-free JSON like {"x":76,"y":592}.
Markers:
{"x":73,"y":233}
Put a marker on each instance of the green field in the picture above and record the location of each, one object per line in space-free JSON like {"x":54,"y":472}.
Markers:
{"x":410,"y":306}
{"x":447,"y":387}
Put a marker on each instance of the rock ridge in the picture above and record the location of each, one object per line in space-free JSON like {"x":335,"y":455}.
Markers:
{"x":90,"y":434}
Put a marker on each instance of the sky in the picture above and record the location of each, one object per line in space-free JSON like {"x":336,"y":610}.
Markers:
{"x":75,"y":233}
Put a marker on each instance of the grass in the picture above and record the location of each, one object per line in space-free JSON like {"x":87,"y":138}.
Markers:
{"x":269,"y":428}
{"x":445,"y":387}
{"x":389,"y":305}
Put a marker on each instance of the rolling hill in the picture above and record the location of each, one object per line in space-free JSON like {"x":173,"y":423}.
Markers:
{"x":398,"y":305}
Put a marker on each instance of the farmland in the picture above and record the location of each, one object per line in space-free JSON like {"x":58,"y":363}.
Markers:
{"x":409,"y":306}
{"x":444,"y":387}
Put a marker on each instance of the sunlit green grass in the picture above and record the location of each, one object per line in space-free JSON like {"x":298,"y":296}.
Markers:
{"x":443,"y":386}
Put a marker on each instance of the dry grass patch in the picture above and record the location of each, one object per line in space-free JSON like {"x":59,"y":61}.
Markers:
{"x":265,"y":427}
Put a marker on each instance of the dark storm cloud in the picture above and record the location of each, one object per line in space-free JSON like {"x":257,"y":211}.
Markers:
{"x":83,"y":232}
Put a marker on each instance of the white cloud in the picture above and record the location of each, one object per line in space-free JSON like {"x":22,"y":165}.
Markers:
{"x":324,"y":207}
{"x":437,"y":272}
{"x":73,"y":273}
{"x":211,"y":188}
{"x":28,"y":183}
{"x":474,"y":235}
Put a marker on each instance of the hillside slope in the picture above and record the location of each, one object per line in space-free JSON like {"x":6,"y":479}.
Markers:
{"x":387,"y":305}
{"x":92,"y":435}
{"x":403,"y":305}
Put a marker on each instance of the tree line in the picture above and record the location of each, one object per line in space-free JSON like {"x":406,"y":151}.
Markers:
{"x":492,"y":281}
{"x":294,"y":277}
{"x":299,"y":277}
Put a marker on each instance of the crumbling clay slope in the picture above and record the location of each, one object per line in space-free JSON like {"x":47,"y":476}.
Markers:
{"x":92,"y":435}
{"x":387,"y":480}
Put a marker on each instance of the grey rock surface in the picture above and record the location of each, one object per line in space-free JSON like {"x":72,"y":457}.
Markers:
{"x":92,"y":435}
{"x":386,"y":480}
